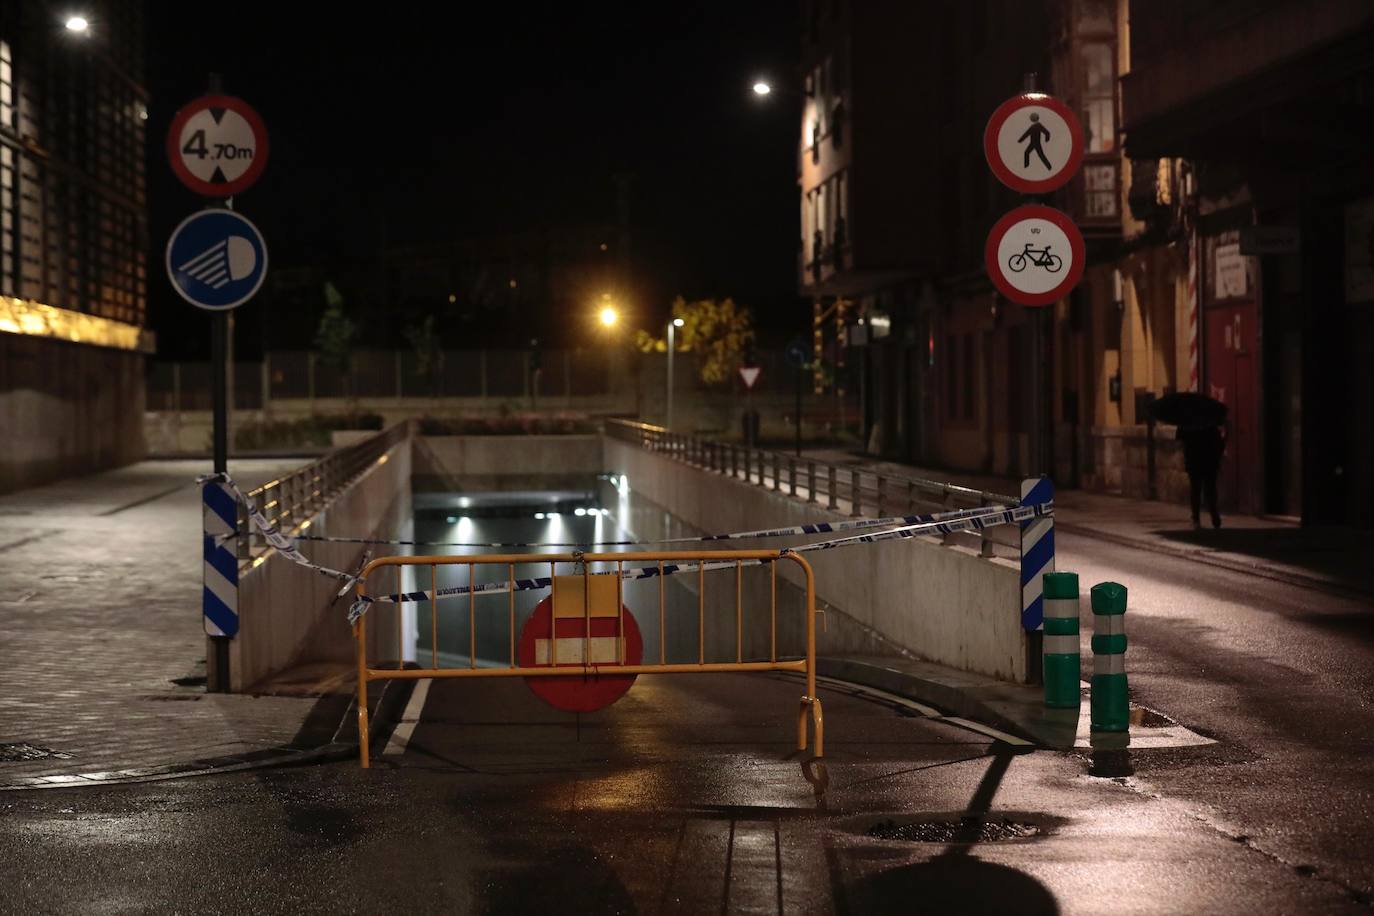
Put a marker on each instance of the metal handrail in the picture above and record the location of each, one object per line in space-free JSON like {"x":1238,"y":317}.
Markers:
{"x":866,"y":491}
{"x":291,"y":500}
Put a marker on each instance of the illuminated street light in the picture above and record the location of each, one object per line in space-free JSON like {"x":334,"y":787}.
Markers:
{"x":678,"y":322}
{"x":77,"y":24}
{"x":762,"y":88}
{"x":608,"y":316}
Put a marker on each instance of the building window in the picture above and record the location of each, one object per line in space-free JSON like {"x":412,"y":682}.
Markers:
{"x":1099,"y":184}
{"x":6,"y":86}
{"x":1099,"y":96}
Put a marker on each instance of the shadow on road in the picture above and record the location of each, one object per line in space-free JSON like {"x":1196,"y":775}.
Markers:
{"x":956,"y":881}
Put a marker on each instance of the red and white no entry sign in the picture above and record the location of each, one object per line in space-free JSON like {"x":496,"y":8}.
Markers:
{"x":1033,"y":143}
{"x":217,"y":145}
{"x":1034,"y":255}
{"x":596,"y":637}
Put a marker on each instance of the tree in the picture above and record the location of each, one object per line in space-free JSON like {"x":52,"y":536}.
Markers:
{"x":334,"y":338}
{"x":715,"y":332}
{"x":424,"y":343}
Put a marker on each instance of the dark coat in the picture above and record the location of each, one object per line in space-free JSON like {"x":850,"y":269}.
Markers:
{"x":1202,"y":449}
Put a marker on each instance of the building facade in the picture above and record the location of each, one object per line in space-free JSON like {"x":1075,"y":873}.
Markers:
{"x":73,"y":239}
{"x":1223,"y":196}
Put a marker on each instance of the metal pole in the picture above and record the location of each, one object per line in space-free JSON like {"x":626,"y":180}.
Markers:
{"x":218,"y":681}
{"x":671,"y":329}
{"x":797,"y":411}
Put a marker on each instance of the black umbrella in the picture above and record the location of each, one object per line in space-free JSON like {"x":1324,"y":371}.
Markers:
{"x":1188,"y":408}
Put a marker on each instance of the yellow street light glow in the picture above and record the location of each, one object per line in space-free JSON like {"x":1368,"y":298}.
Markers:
{"x":608,"y":316}
{"x":678,"y":322}
{"x":762,"y":88}
{"x":77,"y":24}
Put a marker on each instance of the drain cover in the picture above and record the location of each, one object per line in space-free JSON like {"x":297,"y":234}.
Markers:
{"x":965,"y":830}
{"x":9,"y":753}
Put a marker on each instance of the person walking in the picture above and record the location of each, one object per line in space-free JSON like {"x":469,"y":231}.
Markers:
{"x":1036,"y":134}
{"x":1203,"y":447}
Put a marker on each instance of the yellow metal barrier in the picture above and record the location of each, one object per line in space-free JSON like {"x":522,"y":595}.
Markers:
{"x":810,"y":704}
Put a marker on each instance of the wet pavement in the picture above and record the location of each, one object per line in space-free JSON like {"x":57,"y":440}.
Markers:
{"x":686,"y":797}
{"x":102,"y":651}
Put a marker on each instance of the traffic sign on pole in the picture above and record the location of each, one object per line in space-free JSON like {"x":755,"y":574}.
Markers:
{"x":750,"y":375}
{"x":1034,"y":255}
{"x":216,"y":259}
{"x":1033,"y":143}
{"x":595,"y":635}
{"x":217,"y":145}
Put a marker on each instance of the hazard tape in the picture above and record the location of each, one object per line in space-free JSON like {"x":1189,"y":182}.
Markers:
{"x":793,"y":531}
{"x":987,"y":519}
{"x":273,"y":536}
{"x":908,"y":526}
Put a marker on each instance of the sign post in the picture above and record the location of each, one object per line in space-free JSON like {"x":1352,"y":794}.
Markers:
{"x":749,"y":374}
{"x":796,"y":358}
{"x":217,"y":260}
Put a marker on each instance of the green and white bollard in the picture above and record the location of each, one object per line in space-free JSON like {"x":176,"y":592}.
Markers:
{"x":1061,"y":640}
{"x":1111,"y":710}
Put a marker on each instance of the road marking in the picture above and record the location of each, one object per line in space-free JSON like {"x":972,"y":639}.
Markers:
{"x":929,"y":712}
{"x":400,"y":738}
{"x":988,"y":730}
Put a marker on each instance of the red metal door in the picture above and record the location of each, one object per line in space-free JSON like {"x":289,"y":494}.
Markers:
{"x":1231,"y":377}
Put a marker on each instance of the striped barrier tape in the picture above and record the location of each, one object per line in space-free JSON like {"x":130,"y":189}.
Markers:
{"x":989,"y":518}
{"x":942,"y":523}
{"x":272,"y":534}
{"x":794,"y":531}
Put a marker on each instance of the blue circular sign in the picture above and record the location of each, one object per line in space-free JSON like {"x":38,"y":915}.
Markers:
{"x":216,"y":259}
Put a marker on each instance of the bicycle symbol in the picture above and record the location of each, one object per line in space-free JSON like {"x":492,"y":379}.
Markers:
{"x":1040,"y":257}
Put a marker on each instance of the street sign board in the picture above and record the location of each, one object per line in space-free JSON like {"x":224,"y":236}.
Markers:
{"x":1033,"y":143}
{"x":220,"y":594}
{"x":1034,"y":255}
{"x":592,"y":635}
{"x":1260,"y":240}
{"x":750,"y":374}
{"x":797,"y":353}
{"x":217,"y":145}
{"x":216,"y":259}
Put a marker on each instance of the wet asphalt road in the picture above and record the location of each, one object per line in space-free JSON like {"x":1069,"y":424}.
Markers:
{"x":1282,"y":676}
{"x":687,"y":796}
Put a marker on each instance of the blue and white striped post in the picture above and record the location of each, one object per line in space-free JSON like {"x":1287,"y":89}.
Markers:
{"x":1037,"y":551}
{"x":220,"y":603}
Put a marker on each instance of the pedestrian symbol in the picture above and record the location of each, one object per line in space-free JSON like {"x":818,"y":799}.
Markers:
{"x":1035,"y":133}
{"x":1033,"y":143}
{"x":216,"y":259}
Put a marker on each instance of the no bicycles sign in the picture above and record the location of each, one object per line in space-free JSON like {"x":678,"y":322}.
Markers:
{"x":1034,"y":255}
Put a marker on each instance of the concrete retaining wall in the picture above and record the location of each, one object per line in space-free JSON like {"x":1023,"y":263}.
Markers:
{"x":459,"y":463}
{"x":66,"y":409}
{"x":944,"y":604}
{"x":289,"y":616}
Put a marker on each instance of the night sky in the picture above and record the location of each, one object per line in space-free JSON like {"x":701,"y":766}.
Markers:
{"x":394,"y":128}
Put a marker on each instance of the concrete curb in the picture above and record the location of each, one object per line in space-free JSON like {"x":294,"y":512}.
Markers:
{"x":343,"y":745}
{"x":1294,"y":579}
{"x":1017,"y":709}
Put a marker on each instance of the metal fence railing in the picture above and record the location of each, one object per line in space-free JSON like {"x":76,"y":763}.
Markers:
{"x":838,"y":487}
{"x":292,"y":499}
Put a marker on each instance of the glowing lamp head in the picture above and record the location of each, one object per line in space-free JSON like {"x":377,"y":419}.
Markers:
{"x":762,"y":88}
{"x":607,"y":316}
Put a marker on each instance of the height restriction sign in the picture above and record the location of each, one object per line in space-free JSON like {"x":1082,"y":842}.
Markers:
{"x":1034,"y":255}
{"x":217,"y":145}
{"x":1033,"y":143}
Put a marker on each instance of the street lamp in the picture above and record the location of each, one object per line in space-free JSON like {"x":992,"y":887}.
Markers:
{"x":762,"y":87}
{"x":78,"y":24}
{"x":672,"y":326}
{"x":607,"y":316}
